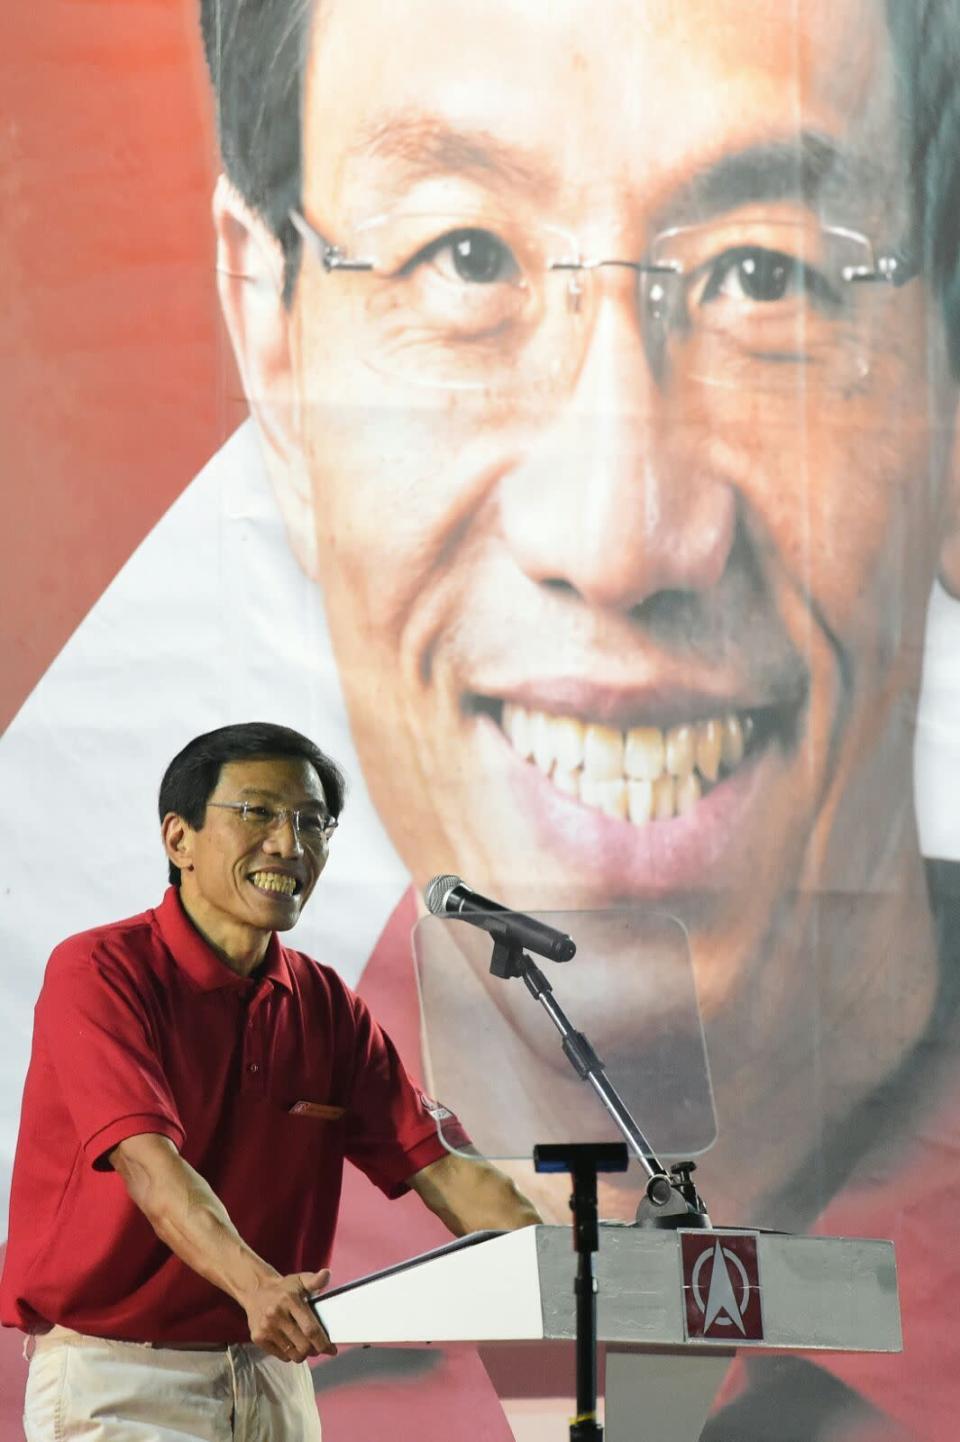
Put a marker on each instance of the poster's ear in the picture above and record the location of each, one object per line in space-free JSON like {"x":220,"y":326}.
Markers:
{"x":250,"y":278}
{"x":950,"y":536}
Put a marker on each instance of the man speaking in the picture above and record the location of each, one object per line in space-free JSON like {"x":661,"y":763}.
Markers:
{"x":194,"y":1091}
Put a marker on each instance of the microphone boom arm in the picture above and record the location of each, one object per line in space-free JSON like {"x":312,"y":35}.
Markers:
{"x":671,"y":1199}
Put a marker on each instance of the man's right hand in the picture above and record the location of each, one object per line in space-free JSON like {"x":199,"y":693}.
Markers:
{"x":281,"y":1320}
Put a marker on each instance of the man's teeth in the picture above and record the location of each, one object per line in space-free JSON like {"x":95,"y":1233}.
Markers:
{"x":274,"y":881}
{"x":644,"y":774}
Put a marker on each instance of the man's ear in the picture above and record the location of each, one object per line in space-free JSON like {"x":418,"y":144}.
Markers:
{"x":177,"y":837}
{"x":950,"y":525}
{"x":250,"y":277}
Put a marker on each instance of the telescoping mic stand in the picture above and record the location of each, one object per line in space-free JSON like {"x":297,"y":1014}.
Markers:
{"x":670,"y":1200}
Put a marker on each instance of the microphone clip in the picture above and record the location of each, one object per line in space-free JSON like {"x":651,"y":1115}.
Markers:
{"x":508,"y":958}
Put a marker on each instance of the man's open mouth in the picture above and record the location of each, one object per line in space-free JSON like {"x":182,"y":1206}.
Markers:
{"x":644,"y":773}
{"x":275,"y":882}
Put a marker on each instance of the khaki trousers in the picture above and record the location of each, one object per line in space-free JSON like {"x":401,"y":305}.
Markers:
{"x":103,"y":1391}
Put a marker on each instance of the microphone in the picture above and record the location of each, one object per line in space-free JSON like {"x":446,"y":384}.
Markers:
{"x":447,"y":896}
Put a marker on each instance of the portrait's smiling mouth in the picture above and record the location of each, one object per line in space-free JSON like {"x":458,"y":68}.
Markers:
{"x":643,"y":773}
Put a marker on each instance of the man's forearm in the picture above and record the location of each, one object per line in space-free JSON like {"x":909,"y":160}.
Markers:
{"x":186,"y":1214}
{"x":469,"y":1194}
{"x":190,"y":1219}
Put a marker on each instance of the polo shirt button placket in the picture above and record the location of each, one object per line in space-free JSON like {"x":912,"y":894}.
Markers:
{"x":253,"y":1080}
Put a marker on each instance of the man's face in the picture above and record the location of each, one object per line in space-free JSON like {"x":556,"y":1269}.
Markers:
{"x":565,"y":575}
{"x":240,"y":873}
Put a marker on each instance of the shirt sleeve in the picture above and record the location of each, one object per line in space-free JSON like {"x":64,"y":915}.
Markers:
{"x":392,"y":1127}
{"x":93,"y":1026}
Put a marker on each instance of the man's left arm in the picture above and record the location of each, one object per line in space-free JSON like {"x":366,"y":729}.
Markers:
{"x":469,"y":1194}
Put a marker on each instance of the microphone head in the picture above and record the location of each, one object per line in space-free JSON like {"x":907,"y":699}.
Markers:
{"x":437,"y":891}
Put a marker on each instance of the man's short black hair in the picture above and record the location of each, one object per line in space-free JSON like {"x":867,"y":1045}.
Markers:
{"x":192,"y":775}
{"x":257,"y":49}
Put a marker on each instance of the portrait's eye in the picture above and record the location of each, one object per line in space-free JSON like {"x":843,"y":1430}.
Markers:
{"x":475,"y":256}
{"x":452,"y":295}
{"x":764,"y":277}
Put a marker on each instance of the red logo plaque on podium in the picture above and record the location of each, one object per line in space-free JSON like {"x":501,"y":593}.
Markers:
{"x":721,"y":1287}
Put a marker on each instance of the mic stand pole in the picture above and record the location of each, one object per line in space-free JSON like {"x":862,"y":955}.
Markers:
{"x":583,"y":1161}
{"x":671,"y":1199}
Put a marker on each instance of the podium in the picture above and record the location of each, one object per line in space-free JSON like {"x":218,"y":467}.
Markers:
{"x":673,"y":1307}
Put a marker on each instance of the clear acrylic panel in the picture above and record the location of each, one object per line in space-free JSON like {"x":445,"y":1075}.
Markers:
{"x":493,"y":1057}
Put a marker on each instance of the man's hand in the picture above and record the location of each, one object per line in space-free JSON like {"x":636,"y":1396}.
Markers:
{"x":281,"y":1320}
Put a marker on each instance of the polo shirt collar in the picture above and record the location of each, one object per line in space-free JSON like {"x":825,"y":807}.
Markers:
{"x":198,"y":958}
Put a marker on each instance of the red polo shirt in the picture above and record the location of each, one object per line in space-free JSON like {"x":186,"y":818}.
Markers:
{"x":264,"y":1084}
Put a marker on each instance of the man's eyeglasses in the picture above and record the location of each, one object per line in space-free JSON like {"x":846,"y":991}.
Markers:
{"x":481,"y":301}
{"x":313,"y":826}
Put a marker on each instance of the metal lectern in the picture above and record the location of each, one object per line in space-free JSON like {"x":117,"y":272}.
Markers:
{"x":673,"y":1307}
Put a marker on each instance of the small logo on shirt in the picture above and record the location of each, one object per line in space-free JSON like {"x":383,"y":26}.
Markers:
{"x":437,"y":1110}
{"x":721,"y":1287}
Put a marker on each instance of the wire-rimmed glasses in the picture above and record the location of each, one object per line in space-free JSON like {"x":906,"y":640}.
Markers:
{"x":482,"y":301}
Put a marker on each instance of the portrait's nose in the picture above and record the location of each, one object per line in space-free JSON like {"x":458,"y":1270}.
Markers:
{"x":604,"y":501}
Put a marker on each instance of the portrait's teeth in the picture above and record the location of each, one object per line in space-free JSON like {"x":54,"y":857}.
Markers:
{"x":542,"y":738}
{"x":643,"y":753}
{"x":709,"y":745}
{"x":567,"y":781}
{"x":687,"y":793}
{"x":610,"y":797}
{"x":274,"y":881}
{"x":731,"y":742}
{"x":640,"y":801}
{"x":645,"y":774}
{"x":681,"y":748}
{"x":518,"y":725}
{"x":664,"y":797}
{"x":603,"y":753}
{"x":568,"y":742}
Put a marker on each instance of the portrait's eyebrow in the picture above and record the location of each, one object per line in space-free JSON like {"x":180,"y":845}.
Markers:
{"x":423,"y":145}
{"x":808,"y":168}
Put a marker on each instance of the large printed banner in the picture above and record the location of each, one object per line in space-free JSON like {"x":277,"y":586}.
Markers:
{"x":551,"y":409}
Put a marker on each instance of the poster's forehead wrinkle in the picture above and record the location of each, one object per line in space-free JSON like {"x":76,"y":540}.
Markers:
{"x":423,"y":144}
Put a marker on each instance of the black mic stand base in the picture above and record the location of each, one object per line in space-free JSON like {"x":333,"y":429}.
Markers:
{"x":583,"y":1429}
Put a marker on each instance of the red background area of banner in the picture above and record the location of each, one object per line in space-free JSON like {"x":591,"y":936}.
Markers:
{"x":116,"y":380}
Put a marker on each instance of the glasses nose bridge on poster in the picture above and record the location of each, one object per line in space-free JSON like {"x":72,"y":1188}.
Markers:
{"x":483,"y":303}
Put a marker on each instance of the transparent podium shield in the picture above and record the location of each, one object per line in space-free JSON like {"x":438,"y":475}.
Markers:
{"x":494,"y":1059}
